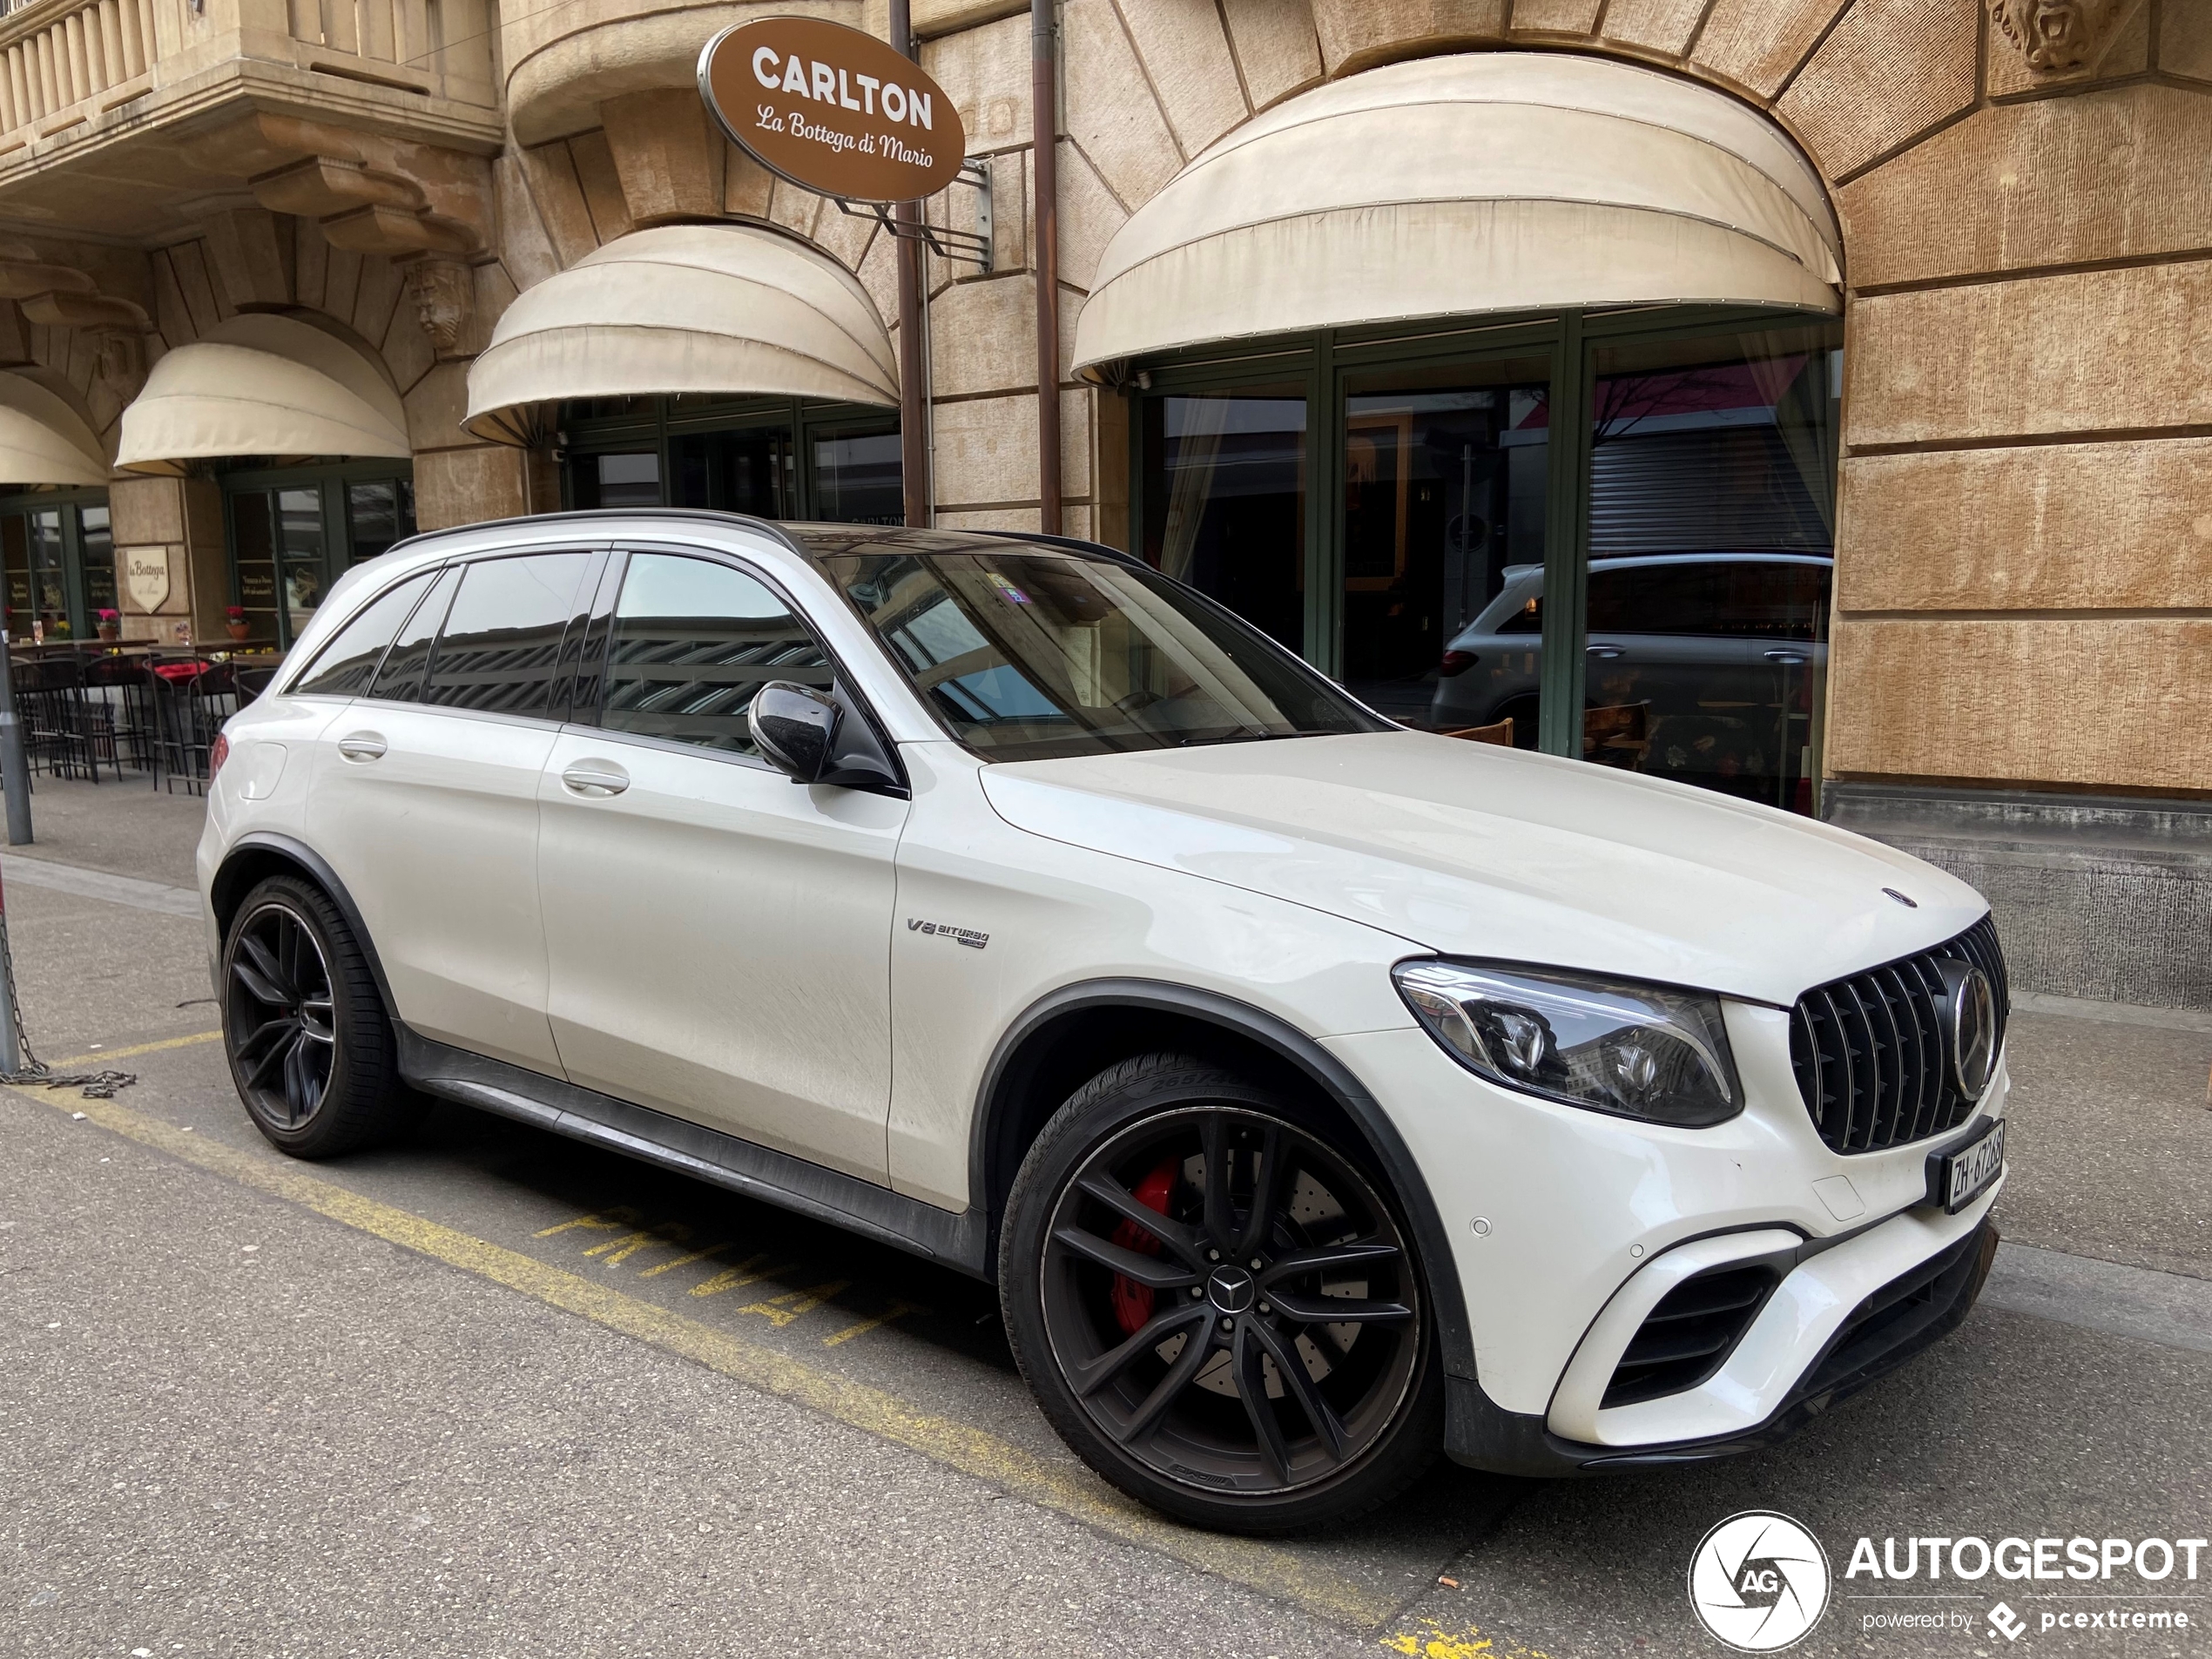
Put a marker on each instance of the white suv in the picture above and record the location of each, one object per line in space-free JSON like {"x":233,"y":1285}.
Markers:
{"x":1318,"y":1093}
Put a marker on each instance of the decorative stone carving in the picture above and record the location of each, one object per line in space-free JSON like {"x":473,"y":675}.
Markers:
{"x":2059,"y":35}
{"x":442,"y":292}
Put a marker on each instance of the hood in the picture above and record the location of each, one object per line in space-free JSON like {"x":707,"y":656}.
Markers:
{"x":1473,"y":849}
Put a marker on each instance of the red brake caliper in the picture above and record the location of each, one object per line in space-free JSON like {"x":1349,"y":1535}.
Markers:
{"x":1132,"y":1301}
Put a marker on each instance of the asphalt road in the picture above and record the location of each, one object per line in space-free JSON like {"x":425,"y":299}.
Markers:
{"x":490,"y":1393}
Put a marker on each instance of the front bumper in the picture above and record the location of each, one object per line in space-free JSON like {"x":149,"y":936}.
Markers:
{"x":1894,"y":1321}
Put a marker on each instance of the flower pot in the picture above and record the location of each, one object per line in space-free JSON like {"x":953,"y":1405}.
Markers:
{"x":111,"y":631}
{"x":241,"y":632}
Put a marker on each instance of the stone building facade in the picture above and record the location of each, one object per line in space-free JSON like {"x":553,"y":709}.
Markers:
{"x":2018,"y":634}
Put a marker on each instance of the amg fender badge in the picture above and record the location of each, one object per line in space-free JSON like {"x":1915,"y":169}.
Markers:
{"x":967,"y":936}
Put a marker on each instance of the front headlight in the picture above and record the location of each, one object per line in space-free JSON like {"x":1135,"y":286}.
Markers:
{"x":1634,"y":1050}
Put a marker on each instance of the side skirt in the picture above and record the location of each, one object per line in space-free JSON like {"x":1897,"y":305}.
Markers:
{"x":757,"y":1172}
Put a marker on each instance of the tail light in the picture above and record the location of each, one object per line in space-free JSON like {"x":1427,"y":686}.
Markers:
{"x":1457,"y":661}
{"x":218,"y":753}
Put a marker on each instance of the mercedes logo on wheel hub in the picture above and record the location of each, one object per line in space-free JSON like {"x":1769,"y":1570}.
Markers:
{"x":1231,"y":1289}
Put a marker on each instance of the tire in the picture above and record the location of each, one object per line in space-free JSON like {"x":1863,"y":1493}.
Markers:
{"x":310,"y":1049}
{"x":1120,"y":1257}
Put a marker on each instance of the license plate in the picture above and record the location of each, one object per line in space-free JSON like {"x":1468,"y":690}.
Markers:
{"x":1962,"y":1176}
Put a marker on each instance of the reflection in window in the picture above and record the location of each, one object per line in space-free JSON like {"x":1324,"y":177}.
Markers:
{"x":693,"y":640}
{"x":299,"y":516}
{"x":48,"y":573}
{"x":96,"y":548}
{"x":502,"y":640}
{"x":748,"y":470}
{"x":1715,"y":460}
{"x":1029,"y":654}
{"x":399,"y":680}
{"x":379,"y":514}
{"x":345,"y":666}
{"x":631,"y":479}
{"x":857,"y":479}
{"x":1224,"y":502}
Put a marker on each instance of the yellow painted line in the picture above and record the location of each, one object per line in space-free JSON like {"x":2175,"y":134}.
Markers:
{"x":1433,"y":1640}
{"x":1013,"y":1469}
{"x":77,"y":1062}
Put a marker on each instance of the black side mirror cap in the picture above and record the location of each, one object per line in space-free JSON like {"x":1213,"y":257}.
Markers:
{"x":814,"y":737}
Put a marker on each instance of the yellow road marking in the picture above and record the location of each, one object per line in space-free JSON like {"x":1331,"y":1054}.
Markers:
{"x":1433,"y":1640}
{"x":77,"y":1063}
{"x":669,"y":1232}
{"x":780,"y":1311}
{"x":1013,"y":1469}
{"x":605,"y":1221}
{"x":707,"y":1254}
{"x":748,"y":1271}
{"x":898,"y":1310}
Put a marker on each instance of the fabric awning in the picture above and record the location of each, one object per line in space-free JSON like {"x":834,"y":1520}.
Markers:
{"x":1477,"y":183}
{"x":730,"y":309}
{"x":43,"y":441}
{"x":259,"y":384}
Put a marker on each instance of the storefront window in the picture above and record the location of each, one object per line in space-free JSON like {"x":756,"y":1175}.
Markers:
{"x":380,"y":513}
{"x":1711,"y":542}
{"x":726,"y":456}
{"x":295,"y":530}
{"x":1225,"y":500}
{"x":1445,"y":476}
{"x":60,"y":564}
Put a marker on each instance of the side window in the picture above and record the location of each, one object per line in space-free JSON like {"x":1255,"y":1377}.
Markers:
{"x":401,"y":678}
{"x":692,"y":641}
{"x":345,"y":666}
{"x":1777,"y":601}
{"x":1668,"y":599}
{"x":500,"y":645}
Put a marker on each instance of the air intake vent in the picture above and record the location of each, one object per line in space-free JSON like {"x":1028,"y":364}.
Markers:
{"x":1869,"y":1051}
{"x":1686,"y":1339}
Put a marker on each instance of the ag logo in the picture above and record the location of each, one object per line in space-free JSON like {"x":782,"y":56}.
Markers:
{"x":1759,"y":1581}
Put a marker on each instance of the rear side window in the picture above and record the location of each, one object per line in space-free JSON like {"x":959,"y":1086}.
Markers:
{"x":401,"y":678}
{"x":500,"y":645}
{"x":692,"y":641}
{"x":347,"y":663}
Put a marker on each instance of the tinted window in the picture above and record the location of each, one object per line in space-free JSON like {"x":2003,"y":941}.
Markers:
{"x":501,"y":641}
{"x":401,"y":678}
{"x":692,"y":641}
{"x":1776,"y":601}
{"x":1029,"y":654}
{"x":346,"y":665}
{"x":1657,"y":599}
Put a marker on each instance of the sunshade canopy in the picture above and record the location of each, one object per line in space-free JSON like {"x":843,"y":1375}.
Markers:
{"x":731,"y":309}
{"x":259,"y":384}
{"x":43,"y":441}
{"x":1476,"y":183}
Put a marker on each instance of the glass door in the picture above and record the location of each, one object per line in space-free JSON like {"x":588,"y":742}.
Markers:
{"x":1223,"y":497}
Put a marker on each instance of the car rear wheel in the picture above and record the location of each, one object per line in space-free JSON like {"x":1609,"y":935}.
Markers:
{"x":310,"y":1049}
{"x":1216,"y":1303}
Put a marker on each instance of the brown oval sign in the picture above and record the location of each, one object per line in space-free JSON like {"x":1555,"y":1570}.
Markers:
{"x":833,"y":109}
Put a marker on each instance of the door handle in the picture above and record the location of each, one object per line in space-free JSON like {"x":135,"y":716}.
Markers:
{"x":361,"y":746}
{"x":1787,"y":659}
{"x":596,"y":778}
{"x":1607,"y":652}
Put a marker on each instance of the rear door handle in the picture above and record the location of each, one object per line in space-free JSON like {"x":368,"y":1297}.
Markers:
{"x":361,"y":746}
{"x":596,"y":778}
{"x":1787,"y":659}
{"x":1603,"y":651}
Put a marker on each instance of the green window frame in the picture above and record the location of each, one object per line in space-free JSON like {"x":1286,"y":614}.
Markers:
{"x":344,"y":541}
{"x":1321,"y":362}
{"x":86,"y":591}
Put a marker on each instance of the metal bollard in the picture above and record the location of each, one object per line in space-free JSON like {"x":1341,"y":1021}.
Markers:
{"x":15,"y":767}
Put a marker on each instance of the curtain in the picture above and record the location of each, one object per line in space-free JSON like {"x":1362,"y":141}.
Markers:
{"x":1193,"y":429}
{"x":1795,"y":383}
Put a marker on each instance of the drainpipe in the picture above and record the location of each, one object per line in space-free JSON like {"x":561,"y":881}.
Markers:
{"x":1044,"y":107}
{"x":913,"y":371}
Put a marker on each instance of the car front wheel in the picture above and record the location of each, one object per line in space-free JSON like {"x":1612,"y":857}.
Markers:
{"x":1216,"y":1303}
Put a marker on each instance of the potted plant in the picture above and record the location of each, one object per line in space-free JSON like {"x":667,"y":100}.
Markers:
{"x":240,"y":630}
{"x":110,"y":626}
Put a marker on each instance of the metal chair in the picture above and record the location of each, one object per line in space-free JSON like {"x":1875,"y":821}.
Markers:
{"x":123,"y":684}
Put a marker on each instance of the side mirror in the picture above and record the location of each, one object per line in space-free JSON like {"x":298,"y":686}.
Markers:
{"x":795,"y":728}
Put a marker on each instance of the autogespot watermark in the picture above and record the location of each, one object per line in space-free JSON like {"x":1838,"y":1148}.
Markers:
{"x":1760,"y":1581}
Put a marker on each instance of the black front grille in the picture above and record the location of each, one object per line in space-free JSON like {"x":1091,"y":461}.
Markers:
{"x":1690,"y":1333}
{"x":1869,"y":1050}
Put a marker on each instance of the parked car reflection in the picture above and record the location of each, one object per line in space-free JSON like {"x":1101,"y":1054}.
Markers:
{"x":1704,"y":667}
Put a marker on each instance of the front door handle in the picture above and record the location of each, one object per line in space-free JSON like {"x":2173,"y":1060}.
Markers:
{"x":1787,"y":659}
{"x":361,"y":746}
{"x":597,"y":779}
{"x":1607,"y":652}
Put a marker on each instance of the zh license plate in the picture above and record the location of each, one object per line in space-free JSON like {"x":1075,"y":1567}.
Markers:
{"x":1963,"y":1175}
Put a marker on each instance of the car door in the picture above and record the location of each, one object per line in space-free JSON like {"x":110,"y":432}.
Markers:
{"x":426,"y":805}
{"x":718,"y":937}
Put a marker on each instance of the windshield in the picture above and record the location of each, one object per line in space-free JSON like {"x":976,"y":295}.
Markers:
{"x":1032,"y":655}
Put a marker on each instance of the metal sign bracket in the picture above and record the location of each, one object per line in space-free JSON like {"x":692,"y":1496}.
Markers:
{"x":963,"y":246}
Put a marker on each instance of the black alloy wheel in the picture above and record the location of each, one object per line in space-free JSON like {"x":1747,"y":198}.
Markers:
{"x":278,"y":1020}
{"x":304,"y":1027}
{"x":1231,"y":1314}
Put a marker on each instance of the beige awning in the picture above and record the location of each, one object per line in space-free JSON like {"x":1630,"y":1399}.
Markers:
{"x":43,"y":441}
{"x":1452,"y":186}
{"x":730,"y":309}
{"x":259,"y":384}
